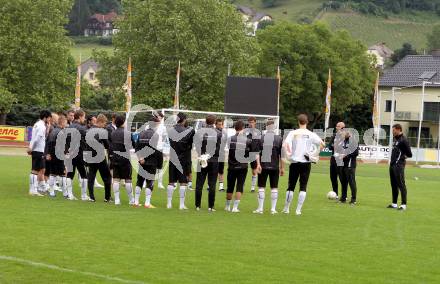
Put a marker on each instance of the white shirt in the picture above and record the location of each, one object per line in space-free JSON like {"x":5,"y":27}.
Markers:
{"x":162,"y":132}
{"x":162,"y":142}
{"x":302,"y":142}
{"x":38,"y":140}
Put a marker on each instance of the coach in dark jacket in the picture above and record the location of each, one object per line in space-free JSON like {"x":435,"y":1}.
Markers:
{"x":347,"y":172}
{"x":401,"y":151}
{"x":333,"y":164}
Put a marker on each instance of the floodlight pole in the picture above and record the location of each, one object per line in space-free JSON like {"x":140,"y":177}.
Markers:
{"x":393,"y":96}
{"x":378,"y":102}
{"x":420,"y":121}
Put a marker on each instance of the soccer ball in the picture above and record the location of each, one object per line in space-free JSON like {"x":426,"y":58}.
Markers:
{"x":332,"y":195}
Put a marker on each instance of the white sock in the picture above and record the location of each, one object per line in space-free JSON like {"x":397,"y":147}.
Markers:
{"x":116,"y":192}
{"x":137,"y":195}
{"x":51,"y":185}
{"x":33,"y":183}
{"x":236,"y":203}
{"x":42,"y":185}
{"x":301,"y":198}
{"x":261,"y":196}
{"x":182,"y":193}
{"x":254,"y":181}
{"x":274,"y":198}
{"x":170,"y":191}
{"x":190,"y":184}
{"x":160,"y":176}
{"x":148,"y":193}
{"x":228,"y":203}
{"x":221,"y":185}
{"x":58,"y":181}
{"x":289,"y":197}
{"x":129,"y":189}
{"x":84,"y":188}
{"x":64,"y":186}
{"x":69,"y":187}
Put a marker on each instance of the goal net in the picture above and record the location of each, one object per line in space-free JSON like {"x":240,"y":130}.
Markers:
{"x":196,"y":119}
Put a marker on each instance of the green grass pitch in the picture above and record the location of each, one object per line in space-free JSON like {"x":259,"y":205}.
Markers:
{"x":45,"y":240}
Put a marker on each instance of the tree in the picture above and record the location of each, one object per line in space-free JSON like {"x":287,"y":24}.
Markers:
{"x":305,"y":53}
{"x":35,"y":62}
{"x":434,"y":38}
{"x":78,"y":17}
{"x":400,"y":53}
{"x":7,"y":99}
{"x":205,"y":35}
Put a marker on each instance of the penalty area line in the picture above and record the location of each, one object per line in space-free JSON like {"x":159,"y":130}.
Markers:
{"x":58,"y":268}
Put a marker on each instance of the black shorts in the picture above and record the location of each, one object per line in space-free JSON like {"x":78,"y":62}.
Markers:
{"x":221,"y":168}
{"x":122,"y":171}
{"x":236,"y":179}
{"x":57,"y":168}
{"x":152,"y":170}
{"x":47,"y":168}
{"x":38,"y":161}
{"x":174,"y":175}
{"x":159,"y":157}
{"x":78,"y":164}
{"x":274,"y":176}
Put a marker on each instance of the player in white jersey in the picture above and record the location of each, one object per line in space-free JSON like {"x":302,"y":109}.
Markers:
{"x":302,"y":148}
{"x":36,"y":150}
{"x":163,"y":139}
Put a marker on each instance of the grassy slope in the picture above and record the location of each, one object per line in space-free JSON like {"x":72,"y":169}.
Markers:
{"x":85,"y":50}
{"x":330,"y":243}
{"x":395,"y":31}
{"x":288,"y":10}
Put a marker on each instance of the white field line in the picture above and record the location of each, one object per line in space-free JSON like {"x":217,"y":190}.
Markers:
{"x":58,"y":268}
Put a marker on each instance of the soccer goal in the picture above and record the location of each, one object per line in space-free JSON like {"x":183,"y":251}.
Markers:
{"x":196,"y":119}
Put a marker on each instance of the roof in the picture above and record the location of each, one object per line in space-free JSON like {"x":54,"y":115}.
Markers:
{"x":246,"y":10}
{"x":408,"y":71}
{"x":259,"y":16}
{"x":89,"y":63}
{"x":382,"y":49}
{"x":105,"y":18}
{"x":254,"y":16}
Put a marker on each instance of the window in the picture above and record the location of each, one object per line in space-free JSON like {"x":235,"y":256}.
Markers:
{"x":388,"y":106}
{"x":431,"y":111}
{"x":91,"y":75}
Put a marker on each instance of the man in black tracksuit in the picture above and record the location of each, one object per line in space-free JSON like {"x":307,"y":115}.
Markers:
{"x":212,"y":136}
{"x":347,"y":172}
{"x":78,"y":161}
{"x":181,"y":140}
{"x":101,"y":166}
{"x":119,"y":152}
{"x":239,"y":146}
{"x":333,"y":164}
{"x":57,"y":165}
{"x":401,"y":151}
{"x":150,"y":160}
{"x":272,"y":166}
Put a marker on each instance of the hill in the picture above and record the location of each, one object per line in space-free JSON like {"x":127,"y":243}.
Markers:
{"x":410,"y":27}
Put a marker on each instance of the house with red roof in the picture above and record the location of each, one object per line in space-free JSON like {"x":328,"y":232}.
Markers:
{"x":101,"y":25}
